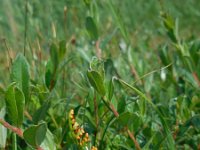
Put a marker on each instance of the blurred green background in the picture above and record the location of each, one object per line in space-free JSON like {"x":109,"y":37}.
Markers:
{"x":134,"y":43}
{"x":139,"y":20}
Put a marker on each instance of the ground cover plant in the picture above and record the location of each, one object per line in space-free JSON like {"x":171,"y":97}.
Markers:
{"x":99,"y":75}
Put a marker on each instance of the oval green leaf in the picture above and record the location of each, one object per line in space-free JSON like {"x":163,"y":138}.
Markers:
{"x":110,"y":89}
{"x":15,"y":102}
{"x":35,"y":134}
{"x":20,"y":74}
{"x":96,"y":81}
{"x":91,"y":28}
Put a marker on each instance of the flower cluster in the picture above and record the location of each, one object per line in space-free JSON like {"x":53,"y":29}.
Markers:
{"x":94,"y":148}
{"x":79,"y":133}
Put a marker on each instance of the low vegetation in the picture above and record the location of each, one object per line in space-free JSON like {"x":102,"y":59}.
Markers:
{"x":99,"y":75}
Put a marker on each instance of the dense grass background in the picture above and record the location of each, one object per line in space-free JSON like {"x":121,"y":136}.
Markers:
{"x":141,"y":20}
{"x":139,"y":17}
{"x":134,"y":42}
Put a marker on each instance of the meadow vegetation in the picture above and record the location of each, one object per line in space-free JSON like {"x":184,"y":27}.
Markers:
{"x":103,"y":75}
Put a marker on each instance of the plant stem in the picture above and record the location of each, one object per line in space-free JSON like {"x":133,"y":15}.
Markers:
{"x":135,"y":73}
{"x":98,"y":49}
{"x":96,"y":112}
{"x":25,"y":24}
{"x":96,"y":118}
{"x":14,"y":142}
{"x":131,"y":135}
{"x":104,"y":133}
{"x":26,"y":113}
{"x":54,"y":121}
{"x":196,"y":78}
{"x":16,"y":131}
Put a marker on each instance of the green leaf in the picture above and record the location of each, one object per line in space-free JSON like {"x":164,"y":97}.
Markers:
{"x":54,"y":55}
{"x":15,"y":103}
{"x":189,"y":64}
{"x":169,"y":137}
{"x":121,"y":105}
{"x":35,"y":134}
{"x":57,"y":54}
{"x":50,"y":75}
{"x":48,"y":143}
{"x":96,"y":81}
{"x":128,"y":119}
{"x":62,"y":49}
{"x":91,"y":28}
{"x":91,"y":126}
{"x":41,"y":112}
{"x":119,"y":21}
{"x":98,"y":66}
{"x":169,"y":24}
{"x":195,"y":121}
{"x":194,"y":50}
{"x":164,"y":55}
{"x":147,"y":145}
{"x":87,"y":3}
{"x":110,"y":89}
{"x":168,"y":21}
{"x":90,"y":98}
{"x":58,"y":135}
{"x":20,"y":74}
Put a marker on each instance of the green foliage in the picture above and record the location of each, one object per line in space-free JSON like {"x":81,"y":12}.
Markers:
{"x":50,"y":78}
{"x":57,"y":53}
{"x":20,"y":74}
{"x":15,"y":102}
{"x":41,"y":112}
{"x":91,"y":28}
{"x":100,"y":74}
{"x":35,"y":135}
{"x":96,"y":81}
{"x":49,"y":143}
{"x":111,"y":89}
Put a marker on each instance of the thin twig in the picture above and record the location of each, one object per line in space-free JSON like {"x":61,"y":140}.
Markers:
{"x":16,"y":130}
{"x":135,"y":73}
{"x":98,"y":49}
{"x":196,"y":78}
{"x":26,"y":113}
{"x":131,"y":135}
{"x":149,"y":73}
{"x":95,"y":111}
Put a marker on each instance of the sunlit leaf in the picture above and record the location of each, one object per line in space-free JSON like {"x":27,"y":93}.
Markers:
{"x":96,"y":81}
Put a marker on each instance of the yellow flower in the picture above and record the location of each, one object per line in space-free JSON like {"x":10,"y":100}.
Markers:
{"x":94,"y":148}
